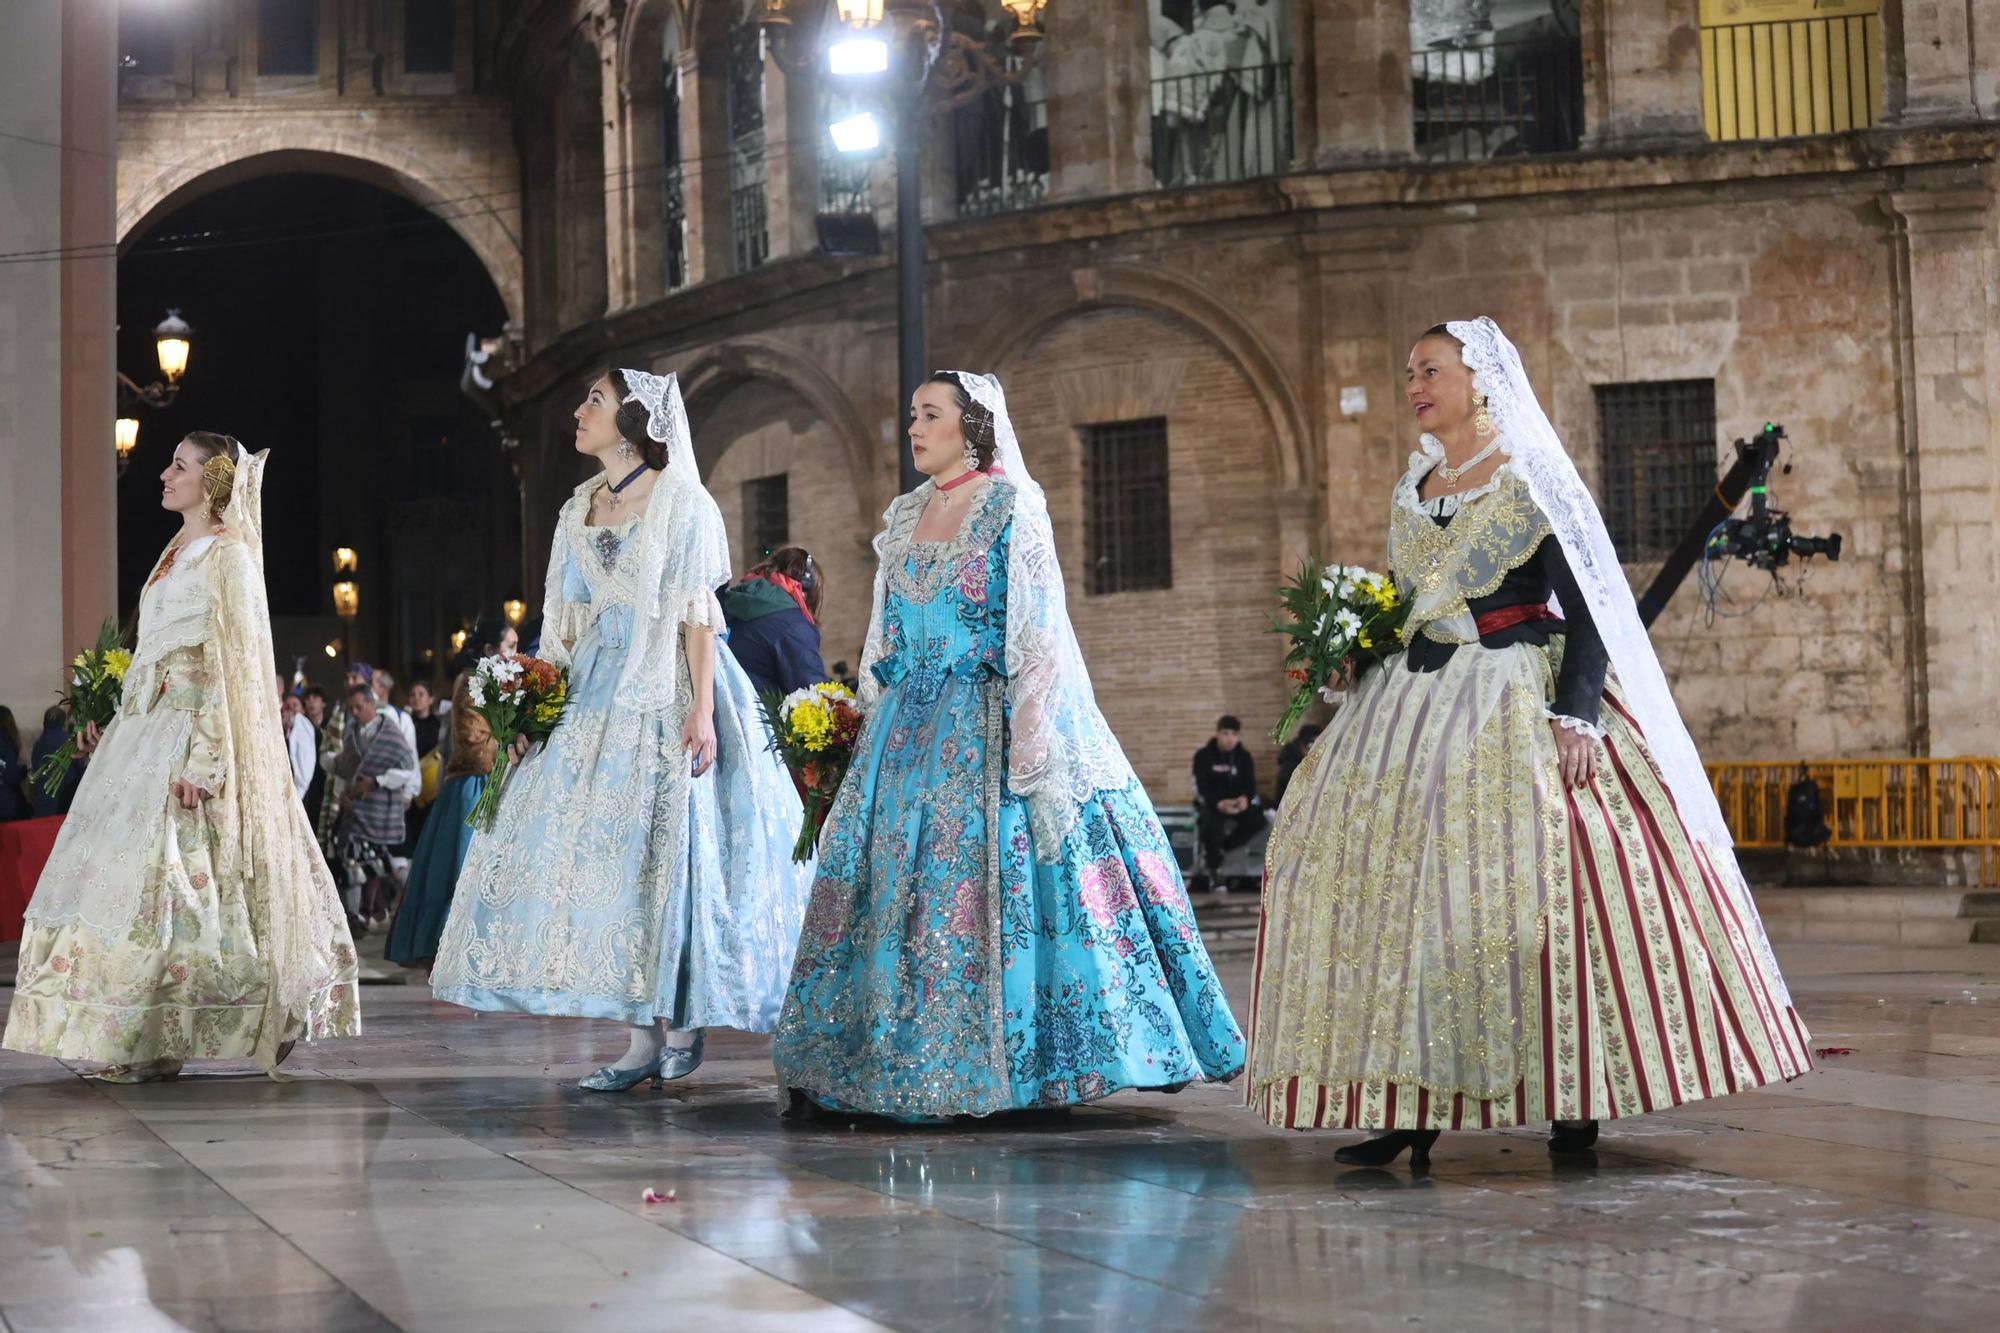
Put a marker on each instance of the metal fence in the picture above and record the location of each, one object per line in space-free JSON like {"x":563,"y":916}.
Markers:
{"x":1499,"y":100}
{"x":1783,"y":79}
{"x":1002,"y":142}
{"x":1936,"y":804}
{"x":1225,"y":125}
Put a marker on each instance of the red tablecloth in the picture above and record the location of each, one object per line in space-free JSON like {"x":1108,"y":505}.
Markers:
{"x":25,"y":845}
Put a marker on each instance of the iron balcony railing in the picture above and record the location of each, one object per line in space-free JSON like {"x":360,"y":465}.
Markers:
{"x":1501,"y":99}
{"x":749,"y":211}
{"x":1003,"y":153}
{"x":1222,"y":125}
{"x":1783,"y":79}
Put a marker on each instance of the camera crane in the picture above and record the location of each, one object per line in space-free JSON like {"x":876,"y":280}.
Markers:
{"x":1763,"y":538}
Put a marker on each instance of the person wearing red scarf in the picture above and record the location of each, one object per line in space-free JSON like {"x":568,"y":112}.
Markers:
{"x":773,"y":616}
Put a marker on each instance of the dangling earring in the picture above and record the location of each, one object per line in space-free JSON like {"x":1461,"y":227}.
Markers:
{"x":971,"y":446}
{"x":1482,"y":420}
{"x":624,"y":451}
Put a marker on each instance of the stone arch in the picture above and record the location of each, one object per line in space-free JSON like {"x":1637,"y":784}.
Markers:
{"x":467,"y":205}
{"x":1007,"y":337}
{"x":725,"y":366}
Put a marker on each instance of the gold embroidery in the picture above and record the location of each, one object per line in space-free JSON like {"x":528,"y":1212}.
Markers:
{"x":1444,"y":567}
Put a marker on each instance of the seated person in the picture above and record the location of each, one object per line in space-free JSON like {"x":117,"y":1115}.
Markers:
{"x":1225,"y":778}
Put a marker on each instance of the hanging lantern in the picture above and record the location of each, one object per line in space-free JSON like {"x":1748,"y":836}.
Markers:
{"x":173,"y":339}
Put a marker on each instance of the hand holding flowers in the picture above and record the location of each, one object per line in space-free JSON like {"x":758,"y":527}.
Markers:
{"x":814,"y":730}
{"x":1339,"y":618}
{"x":522,"y":699}
{"x":97,"y":681}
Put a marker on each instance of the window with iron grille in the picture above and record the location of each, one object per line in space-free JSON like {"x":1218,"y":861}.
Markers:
{"x":767,"y":514}
{"x":1128,"y":522}
{"x":1659,"y":461}
{"x":287,"y":37}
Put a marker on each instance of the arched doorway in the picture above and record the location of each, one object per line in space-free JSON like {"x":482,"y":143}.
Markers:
{"x":330,"y":318}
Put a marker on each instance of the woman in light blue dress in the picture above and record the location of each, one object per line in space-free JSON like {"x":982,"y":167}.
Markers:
{"x":639,"y":869}
{"x":998,"y":922}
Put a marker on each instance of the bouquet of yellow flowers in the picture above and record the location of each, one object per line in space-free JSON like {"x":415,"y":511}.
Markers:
{"x":96,"y":682}
{"x":518,"y":696}
{"x":814,"y":730}
{"x":1338,"y":618}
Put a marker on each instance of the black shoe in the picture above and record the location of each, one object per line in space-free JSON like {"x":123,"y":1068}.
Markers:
{"x":1386,"y":1148}
{"x":1572,"y":1135}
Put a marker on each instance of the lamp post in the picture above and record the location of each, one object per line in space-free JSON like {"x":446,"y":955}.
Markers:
{"x":346,"y":594}
{"x":906,"y":56}
{"x":173,"y":342}
{"x":126,"y":436}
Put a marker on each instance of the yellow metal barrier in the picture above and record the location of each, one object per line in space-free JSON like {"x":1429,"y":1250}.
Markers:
{"x":1940,"y":804}
{"x":1771,"y":69}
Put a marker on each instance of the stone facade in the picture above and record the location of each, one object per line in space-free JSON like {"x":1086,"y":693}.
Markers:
{"x":1845,"y":286}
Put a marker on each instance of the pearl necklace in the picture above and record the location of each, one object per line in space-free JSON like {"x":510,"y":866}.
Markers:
{"x":1452,"y":474}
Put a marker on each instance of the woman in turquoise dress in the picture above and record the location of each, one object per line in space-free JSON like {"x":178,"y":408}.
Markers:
{"x":639,"y":868}
{"x":998,"y":922}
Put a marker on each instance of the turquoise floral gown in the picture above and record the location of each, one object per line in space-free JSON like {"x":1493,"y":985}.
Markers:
{"x":945,"y":969}
{"x":614,"y":885}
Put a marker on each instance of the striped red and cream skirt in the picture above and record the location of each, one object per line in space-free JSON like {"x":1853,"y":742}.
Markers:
{"x":1452,"y":939}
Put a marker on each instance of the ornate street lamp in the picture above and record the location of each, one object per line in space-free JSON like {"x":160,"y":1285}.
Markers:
{"x":126,"y":435}
{"x":514,"y":608}
{"x":173,"y":342}
{"x":345,"y":561}
{"x":913,"y":60}
{"x":347,"y":599}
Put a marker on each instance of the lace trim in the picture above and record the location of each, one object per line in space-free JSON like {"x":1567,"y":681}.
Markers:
{"x":936,"y":564}
{"x":1423,"y":463}
{"x":1576,"y":724}
{"x":1449,"y":566}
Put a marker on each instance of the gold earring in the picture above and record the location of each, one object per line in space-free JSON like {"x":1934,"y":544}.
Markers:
{"x":1482,"y":420}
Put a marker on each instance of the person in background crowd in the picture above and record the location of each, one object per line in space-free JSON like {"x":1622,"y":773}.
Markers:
{"x":1225,"y":778}
{"x":380,"y":774}
{"x":441,"y":847}
{"x":385,"y":691}
{"x":1292,"y":756}
{"x":314,"y":703}
{"x":55,"y":730}
{"x":301,"y":740}
{"x":13,"y":773}
{"x":773,"y":619}
{"x":425,"y":724}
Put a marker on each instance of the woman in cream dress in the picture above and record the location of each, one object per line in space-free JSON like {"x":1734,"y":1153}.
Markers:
{"x":186,"y":912}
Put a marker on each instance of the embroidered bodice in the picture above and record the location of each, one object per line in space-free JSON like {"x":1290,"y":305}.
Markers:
{"x":945,"y":611}
{"x":602,"y":576}
{"x":176,"y":621}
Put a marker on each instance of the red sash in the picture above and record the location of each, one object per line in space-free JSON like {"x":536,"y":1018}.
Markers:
{"x":1506,"y":617}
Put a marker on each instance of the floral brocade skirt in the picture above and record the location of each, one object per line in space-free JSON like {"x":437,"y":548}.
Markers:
{"x":182,"y":973}
{"x":944,"y":970}
{"x":1453,"y":939}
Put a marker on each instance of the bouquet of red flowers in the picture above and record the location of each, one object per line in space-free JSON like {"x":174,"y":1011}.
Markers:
{"x":814,"y":731}
{"x":518,"y":696}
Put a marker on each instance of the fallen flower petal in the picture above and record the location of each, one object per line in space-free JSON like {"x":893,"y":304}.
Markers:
{"x":655,"y":1196}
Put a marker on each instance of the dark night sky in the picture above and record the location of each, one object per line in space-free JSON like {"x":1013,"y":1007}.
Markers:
{"x":265,"y":350}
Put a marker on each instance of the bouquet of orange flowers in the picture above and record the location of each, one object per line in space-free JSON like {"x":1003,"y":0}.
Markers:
{"x":518,"y":696}
{"x":814,"y":730}
{"x":96,"y":682}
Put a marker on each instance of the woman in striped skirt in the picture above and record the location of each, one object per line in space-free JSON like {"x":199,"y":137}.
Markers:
{"x":1499,"y":889}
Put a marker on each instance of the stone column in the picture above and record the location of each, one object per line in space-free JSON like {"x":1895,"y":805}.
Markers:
{"x":1946,"y":268}
{"x":58,"y":80}
{"x":1100,"y":94}
{"x":1929,"y":58}
{"x":1351,"y":273}
{"x":1354,"y":63}
{"x":791,"y":151}
{"x":705,"y":153}
{"x":1641,"y":73}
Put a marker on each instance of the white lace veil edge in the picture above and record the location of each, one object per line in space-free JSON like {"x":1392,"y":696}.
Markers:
{"x":1553,"y":481}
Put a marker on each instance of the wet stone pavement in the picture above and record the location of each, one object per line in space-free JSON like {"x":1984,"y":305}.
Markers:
{"x":442,"y":1172}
